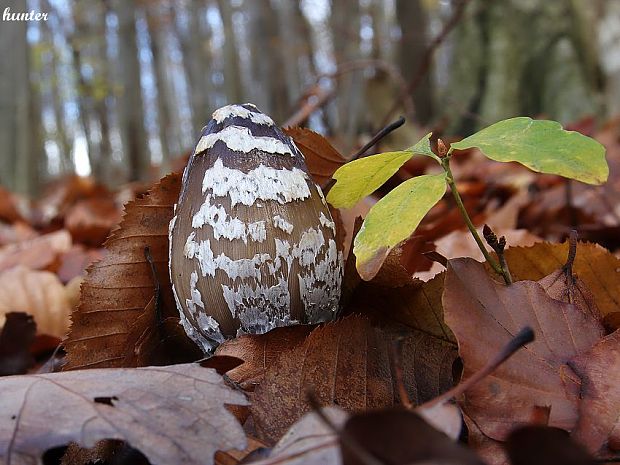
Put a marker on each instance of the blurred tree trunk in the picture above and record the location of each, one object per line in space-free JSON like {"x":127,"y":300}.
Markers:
{"x":295,"y":49}
{"x":131,"y":118}
{"x":161,"y":83}
{"x":102,"y":166}
{"x":268,"y":64}
{"x":62,"y":139}
{"x":232,"y":70}
{"x":20,"y":120}
{"x":498,"y":72}
{"x":345,"y":25}
{"x":84,"y":89}
{"x":413,"y":22}
{"x":197,"y":64}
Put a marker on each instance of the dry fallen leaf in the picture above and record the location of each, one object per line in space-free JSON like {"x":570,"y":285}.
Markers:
{"x":118,"y":288}
{"x":598,"y":427}
{"x":309,"y":441}
{"x":322,"y":159}
{"x":173,"y":414}
{"x":260,"y":352}
{"x":90,"y":220}
{"x":594,"y":265}
{"x":398,"y":436}
{"x":38,"y":253}
{"x":484,"y":315}
{"x":347,"y":363}
{"x":416,"y":305}
{"x":38,"y":293}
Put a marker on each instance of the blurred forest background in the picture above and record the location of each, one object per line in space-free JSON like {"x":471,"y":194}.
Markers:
{"x":119,"y":89}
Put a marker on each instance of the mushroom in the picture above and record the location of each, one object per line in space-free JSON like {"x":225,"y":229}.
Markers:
{"x":252,"y":241}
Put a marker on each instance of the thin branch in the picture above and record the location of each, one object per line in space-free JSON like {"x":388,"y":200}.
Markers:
{"x":427,"y":58}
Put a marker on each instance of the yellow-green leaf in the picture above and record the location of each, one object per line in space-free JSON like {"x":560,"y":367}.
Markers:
{"x":542,"y":146}
{"x":362,"y":177}
{"x":392,"y":220}
{"x":423,"y":147}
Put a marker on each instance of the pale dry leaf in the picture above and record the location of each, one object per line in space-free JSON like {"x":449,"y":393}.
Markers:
{"x":484,"y":315}
{"x":309,"y":441}
{"x":38,"y":293}
{"x":38,"y":253}
{"x":173,"y":414}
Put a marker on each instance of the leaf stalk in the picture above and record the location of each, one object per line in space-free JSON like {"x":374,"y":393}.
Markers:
{"x":445,"y":164}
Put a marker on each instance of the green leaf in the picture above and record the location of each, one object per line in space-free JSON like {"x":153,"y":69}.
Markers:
{"x":362,"y":177}
{"x":423,"y":147}
{"x":393,"y":219}
{"x":542,"y":146}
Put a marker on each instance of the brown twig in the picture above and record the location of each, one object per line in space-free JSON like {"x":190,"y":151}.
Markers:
{"x":344,"y":68}
{"x":427,"y":58}
{"x":523,"y":337}
{"x":572,"y":252}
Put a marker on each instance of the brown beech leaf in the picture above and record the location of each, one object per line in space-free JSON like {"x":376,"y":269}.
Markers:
{"x":399,"y":436}
{"x":173,"y":414}
{"x":484,"y":315}
{"x":416,"y":305}
{"x":117,"y":289}
{"x":259,"y":352}
{"x":90,"y":220}
{"x":38,"y":293}
{"x":16,"y":337}
{"x":347,"y":363}
{"x":594,"y":265}
{"x":309,"y":441}
{"x":38,"y":253}
{"x":564,"y":286}
{"x":322,"y":159}
{"x":598,"y":427}
{"x":156,"y":343}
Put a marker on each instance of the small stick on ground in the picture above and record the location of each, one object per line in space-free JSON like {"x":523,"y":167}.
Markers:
{"x":523,"y":337}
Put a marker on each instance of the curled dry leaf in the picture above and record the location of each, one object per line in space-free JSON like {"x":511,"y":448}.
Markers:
{"x":38,"y":293}
{"x":348,"y":363}
{"x":90,"y":221}
{"x":484,"y":315}
{"x":38,"y":253}
{"x":173,"y":414}
{"x":118,"y":288}
{"x":398,"y":436}
{"x":594,"y":265}
{"x":598,"y":427}
{"x":322,"y":159}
